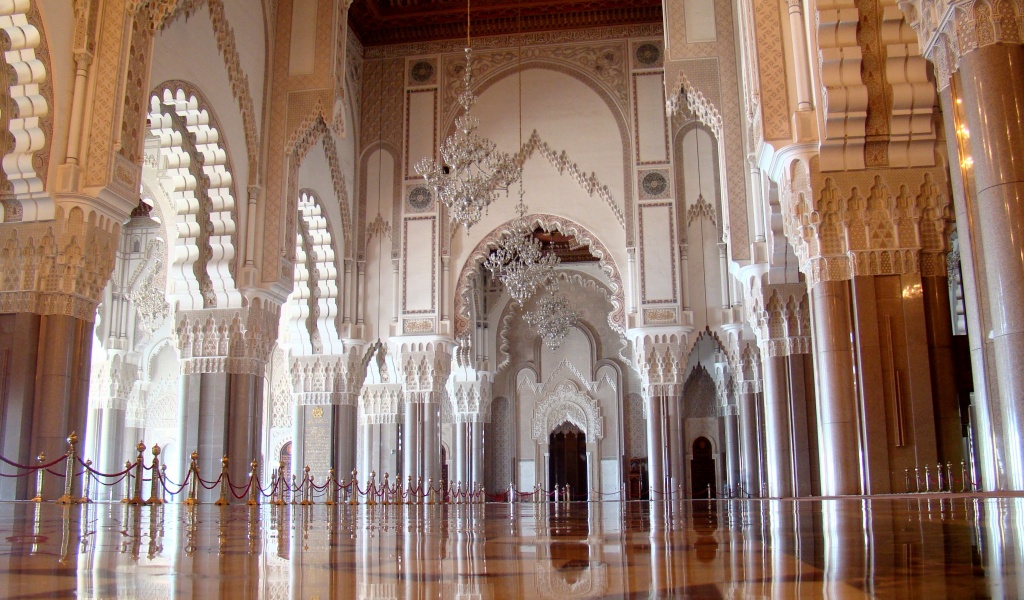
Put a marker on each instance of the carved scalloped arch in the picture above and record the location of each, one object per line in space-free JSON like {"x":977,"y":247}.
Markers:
{"x":471,"y":269}
{"x":307,"y":134}
{"x":196,"y":175}
{"x":568,"y":403}
{"x":696,"y":103}
{"x":237,"y":78}
{"x":314,"y":298}
{"x":511,"y":310}
{"x":26,"y":99}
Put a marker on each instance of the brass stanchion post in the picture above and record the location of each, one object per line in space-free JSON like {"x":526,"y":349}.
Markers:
{"x":353,"y":492}
{"x":276,"y":494}
{"x":371,"y":489}
{"x":127,"y":482}
{"x":193,"y":483}
{"x":307,"y":481}
{"x":154,"y":491}
{"x":224,"y":483}
{"x":330,"y":488}
{"x":39,"y":478}
{"x":140,"y":470}
{"x":387,"y":490}
{"x":254,"y":486}
{"x":69,"y":471}
{"x":88,"y":478}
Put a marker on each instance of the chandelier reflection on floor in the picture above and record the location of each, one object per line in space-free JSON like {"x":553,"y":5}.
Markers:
{"x":472,"y":172}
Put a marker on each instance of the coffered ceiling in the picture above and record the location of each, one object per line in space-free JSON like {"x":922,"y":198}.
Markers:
{"x":380,"y":22}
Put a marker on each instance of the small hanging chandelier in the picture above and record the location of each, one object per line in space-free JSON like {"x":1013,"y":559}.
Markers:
{"x":519,"y":261}
{"x":552,"y":318}
{"x":472,"y":172}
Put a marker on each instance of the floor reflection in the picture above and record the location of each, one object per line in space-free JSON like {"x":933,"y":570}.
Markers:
{"x":893,"y":547}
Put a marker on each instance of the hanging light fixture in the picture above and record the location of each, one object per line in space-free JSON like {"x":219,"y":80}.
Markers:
{"x":519,"y":261}
{"x":472,"y":172}
{"x":552,"y":318}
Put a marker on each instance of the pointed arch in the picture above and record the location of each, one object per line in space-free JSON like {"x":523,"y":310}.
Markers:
{"x":197,"y":178}
{"x":471,"y":269}
{"x":26,"y":102}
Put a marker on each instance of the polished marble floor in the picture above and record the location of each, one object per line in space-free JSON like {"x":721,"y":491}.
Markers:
{"x":892,"y":547}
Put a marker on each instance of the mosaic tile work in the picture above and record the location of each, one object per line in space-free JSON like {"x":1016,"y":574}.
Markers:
{"x":910,"y":546}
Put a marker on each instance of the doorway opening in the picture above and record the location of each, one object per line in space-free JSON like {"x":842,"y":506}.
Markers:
{"x":568,"y":460}
{"x":702,"y":470}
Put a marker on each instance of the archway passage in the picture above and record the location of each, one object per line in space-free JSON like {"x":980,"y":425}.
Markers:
{"x":702,"y":470}
{"x":568,"y":460}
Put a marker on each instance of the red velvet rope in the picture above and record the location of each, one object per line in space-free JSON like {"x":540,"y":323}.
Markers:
{"x":98,"y":474}
{"x":35,"y":467}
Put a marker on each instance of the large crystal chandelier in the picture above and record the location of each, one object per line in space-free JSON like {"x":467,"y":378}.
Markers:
{"x":519,"y":261}
{"x":552,"y":318}
{"x":472,"y":172}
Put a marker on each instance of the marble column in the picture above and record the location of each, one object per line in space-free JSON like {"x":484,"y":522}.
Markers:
{"x":732,"y":451}
{"x":778,"y":426}
{"x":984,"y":428}
{"x":344,"y":439}
{"x":991,"y":79}
{"x":655,"y":449}
{"x":839,"y":448}
{"x":411,"y":427}
{"x":46,"y":379}
{"x":949,"y":438}
{"x":221,"y":415}
{"x":804,"y":425}
{"x":750,"y":476}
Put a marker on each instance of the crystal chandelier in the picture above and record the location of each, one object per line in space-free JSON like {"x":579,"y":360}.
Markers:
{"x":552,"y":318}
{"x":472,"y":172}
{"x":519,"y":260}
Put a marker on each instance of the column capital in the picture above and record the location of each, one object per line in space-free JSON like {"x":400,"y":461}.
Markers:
{"x":335,"y":379}
{"x":877,"y":222}
{"x":58,"y":267}
{"x":946,"y":31}
{"x":228,"y":340}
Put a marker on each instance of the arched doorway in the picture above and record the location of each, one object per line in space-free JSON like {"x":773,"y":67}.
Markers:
{"x":567,"y":464}
{"x":702,"y":470}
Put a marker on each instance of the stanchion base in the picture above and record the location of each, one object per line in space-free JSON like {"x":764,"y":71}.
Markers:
{"x":252,"y":503}
{"x":221,"y":502}
{"x":154,"y":501}
{"x":191,"y":502}
{"x":66,"y":500}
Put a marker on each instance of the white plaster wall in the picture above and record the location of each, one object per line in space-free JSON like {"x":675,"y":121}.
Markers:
{"x":569,"y":116}
{"x":247,"y":21}
{"x":380,"y":290}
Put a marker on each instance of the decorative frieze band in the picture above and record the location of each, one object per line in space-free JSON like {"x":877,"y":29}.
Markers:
{"x":230,"y":340}
{"x":946,"y":31}
{"x":881,"y":222}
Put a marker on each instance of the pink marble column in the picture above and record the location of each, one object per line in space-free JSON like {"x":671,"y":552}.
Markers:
{"x":61,"y":390}
{"x":992,"y":79}
{"x":778,"y":426}
{"x":655,"y":449}
{"x":750,"y":476}
{"x":935,"y":291}
{"x":839,"y":449}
